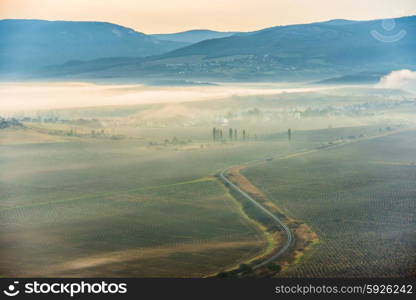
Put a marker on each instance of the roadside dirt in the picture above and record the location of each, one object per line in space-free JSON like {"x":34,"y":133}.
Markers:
{"x":305,"y":237}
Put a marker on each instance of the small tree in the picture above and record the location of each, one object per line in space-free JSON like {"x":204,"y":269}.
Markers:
{"x":274,"y":267}
{"x":289,"y":134}
{"x":244,"y":268}
{"x":244,"y":134}
{"x":235,"y":134}
{"x":222,"y":275}
{"x":230,"y":134}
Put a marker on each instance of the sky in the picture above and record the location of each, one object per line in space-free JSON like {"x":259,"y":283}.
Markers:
{"x":165,"y":16}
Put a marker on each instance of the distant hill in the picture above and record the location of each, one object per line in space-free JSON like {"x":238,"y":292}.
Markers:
{"x":359,"y":78}
{"x":297,"y":52}
{"x":317,"y":44}
{"x":193,"y":36}
{"x":339,"y":22}
{"x":29,"y":44}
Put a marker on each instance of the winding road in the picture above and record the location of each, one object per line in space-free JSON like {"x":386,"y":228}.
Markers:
{"x":289,"y":234}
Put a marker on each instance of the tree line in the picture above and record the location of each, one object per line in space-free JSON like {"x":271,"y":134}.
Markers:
{"x":233,"y":134}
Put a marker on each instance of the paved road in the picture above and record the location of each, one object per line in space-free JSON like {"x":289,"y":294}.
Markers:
{"x":289,"y":234}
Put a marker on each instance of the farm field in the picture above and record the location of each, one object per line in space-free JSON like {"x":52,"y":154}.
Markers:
{"x":131,"y":190}
{"x":79,"y":207}
{"x":86,"y":207}
{"x":358,"y":198}
{"x":187,"y":229}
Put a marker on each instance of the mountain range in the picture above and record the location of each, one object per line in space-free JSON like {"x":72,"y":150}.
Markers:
{"x":30,"y":44}
{"x":305,"y":51}
{"x":193,"y":36}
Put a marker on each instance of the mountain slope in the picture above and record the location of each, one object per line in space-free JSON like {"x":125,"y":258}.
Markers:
{"x":338,"y":42}
{"x":29,"y":44}
{"x":304,"y":52}
{"x":193,"y":36}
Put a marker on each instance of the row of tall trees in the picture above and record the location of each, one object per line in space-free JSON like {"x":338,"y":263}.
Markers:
{"x":217,"y":134}
{"x":233,"y":134}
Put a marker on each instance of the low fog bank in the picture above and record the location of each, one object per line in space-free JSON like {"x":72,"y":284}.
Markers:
{"x":119,"y":108}
{"x":402,"y":79}
{"x":18,"y":97}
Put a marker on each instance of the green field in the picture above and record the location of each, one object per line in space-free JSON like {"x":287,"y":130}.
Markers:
{"x":130,"y":190}
{"x":83,"y":207}
{"x":108,"y":208}
{"x":74,"y":206}
{"x":185,"y":229}
{"x":358,"y":198}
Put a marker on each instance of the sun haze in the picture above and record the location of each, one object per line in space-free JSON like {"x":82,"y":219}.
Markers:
{"x":161,"y":16}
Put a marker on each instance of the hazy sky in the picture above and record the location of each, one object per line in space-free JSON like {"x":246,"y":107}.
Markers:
{"x":160,"y":16}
